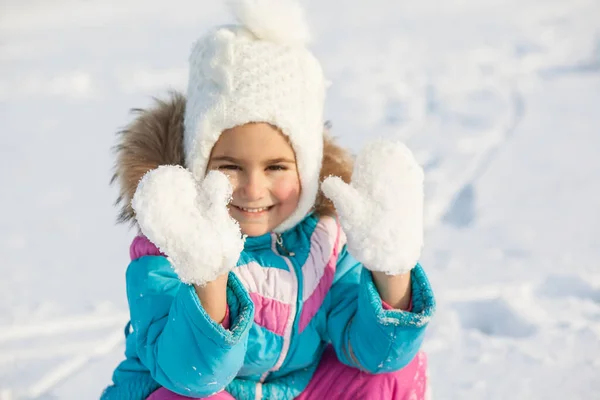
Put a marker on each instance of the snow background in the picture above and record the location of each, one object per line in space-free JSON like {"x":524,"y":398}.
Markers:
{"x":499,"y":99}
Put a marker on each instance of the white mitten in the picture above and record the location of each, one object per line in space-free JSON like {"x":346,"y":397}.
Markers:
{"x":189,"y":221}
{"x":381,"y":211}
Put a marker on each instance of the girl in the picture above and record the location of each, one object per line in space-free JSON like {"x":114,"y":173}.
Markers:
{"x":261,"y":269}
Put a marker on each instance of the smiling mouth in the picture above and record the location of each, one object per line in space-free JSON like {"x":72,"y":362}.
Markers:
{"x":253,"y":210}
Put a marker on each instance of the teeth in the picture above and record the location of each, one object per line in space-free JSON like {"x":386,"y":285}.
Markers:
{"x":253,"y":210}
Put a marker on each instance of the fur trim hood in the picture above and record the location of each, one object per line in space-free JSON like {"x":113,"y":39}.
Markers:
{"x":155,"y":137}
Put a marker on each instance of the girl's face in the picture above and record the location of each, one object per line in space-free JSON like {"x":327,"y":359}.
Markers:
{"x":261,"y":166}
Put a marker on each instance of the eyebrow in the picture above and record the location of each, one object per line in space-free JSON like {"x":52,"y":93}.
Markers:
{"x":271,"y":161}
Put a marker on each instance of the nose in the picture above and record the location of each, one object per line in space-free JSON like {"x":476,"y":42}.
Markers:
{"x":254,"y":186}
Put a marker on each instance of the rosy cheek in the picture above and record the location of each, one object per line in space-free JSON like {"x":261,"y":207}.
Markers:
{"x":286,"y":188}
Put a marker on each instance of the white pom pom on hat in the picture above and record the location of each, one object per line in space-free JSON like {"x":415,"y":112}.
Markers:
{"x":281,"y":21}
{"x":258,"y":71}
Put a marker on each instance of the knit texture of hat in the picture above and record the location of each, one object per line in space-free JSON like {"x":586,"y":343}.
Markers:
{"x":258,"y":71}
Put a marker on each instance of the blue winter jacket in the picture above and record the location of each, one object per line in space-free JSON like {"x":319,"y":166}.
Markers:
{"x":289,"y":297}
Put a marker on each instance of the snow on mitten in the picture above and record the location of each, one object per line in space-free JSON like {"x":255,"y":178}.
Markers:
{"x":189,"y":221}
{"x":381,"y":210}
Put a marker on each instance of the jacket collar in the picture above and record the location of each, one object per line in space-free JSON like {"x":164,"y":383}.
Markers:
{"x":266,"y":241}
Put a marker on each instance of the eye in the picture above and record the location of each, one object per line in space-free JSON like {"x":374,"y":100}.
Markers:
{"x":277,"y":168}
{"x":229,"y":167}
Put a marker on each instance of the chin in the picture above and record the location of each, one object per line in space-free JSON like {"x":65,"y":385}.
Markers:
{"x":254,"y":230}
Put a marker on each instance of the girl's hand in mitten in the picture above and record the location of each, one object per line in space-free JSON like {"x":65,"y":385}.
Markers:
{"x":189,"y":221}
{"x":381,"y":210}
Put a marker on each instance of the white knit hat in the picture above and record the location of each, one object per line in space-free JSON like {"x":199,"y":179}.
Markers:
{"x":259,"y":71}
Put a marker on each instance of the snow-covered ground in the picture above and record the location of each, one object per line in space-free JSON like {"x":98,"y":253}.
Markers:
{"x":500,"y":99}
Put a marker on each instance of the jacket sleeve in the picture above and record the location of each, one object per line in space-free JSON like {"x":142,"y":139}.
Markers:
{"x":182,"y":347}
{"x":363,"y":333}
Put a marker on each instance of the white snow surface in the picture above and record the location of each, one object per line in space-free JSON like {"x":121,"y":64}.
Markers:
{"x":498,"y":99}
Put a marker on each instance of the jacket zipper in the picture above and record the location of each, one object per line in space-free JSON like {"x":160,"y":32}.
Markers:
{"x":279,"y":240}
{"x":289,"y":324}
